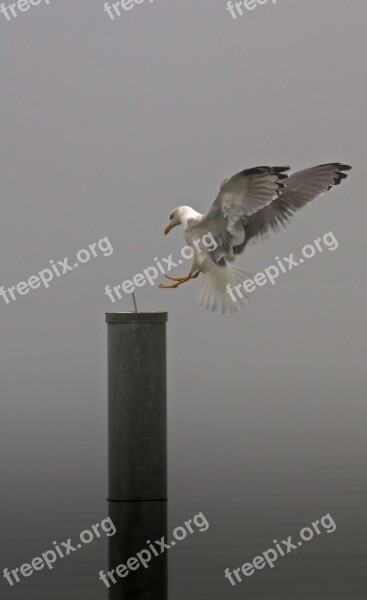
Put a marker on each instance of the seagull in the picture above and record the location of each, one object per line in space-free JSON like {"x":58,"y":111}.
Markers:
{"x":249,"y":206}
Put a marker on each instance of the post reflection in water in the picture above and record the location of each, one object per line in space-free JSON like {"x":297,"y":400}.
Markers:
{"x":139,"y":525}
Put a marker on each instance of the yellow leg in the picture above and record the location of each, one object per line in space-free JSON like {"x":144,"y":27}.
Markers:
{"x":179,"y":281}
{"x":176,"y":278}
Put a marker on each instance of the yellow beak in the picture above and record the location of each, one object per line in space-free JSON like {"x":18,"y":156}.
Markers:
{"x":168,"y":229}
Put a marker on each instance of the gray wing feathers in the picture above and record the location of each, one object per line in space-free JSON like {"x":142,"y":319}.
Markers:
{"x":299,"y":189}
{"x":248,"y":191}
{"x":240,"y":197}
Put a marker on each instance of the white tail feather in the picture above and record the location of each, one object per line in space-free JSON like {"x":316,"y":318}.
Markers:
{"x":213,"y":293}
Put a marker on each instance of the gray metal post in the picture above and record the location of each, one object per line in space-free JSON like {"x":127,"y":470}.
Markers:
{"x":137,"y":448}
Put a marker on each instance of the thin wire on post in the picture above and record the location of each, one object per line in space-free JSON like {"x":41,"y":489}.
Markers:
{"x":135,"y":305}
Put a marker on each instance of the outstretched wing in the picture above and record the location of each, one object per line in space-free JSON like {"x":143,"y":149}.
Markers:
{"x":240,"y":197}
{"x":299,"y":189}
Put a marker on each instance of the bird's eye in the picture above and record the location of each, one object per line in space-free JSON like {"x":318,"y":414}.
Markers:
{"x":171,"y":216}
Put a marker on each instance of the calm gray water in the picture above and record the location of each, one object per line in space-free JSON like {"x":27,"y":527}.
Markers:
{"x":245,"y":515}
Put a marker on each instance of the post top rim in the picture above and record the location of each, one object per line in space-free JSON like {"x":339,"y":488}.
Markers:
{"x":137,"y":317}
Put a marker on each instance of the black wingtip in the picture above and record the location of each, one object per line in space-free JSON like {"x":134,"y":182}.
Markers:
{"x":280,"y":169}
{"x":338,"y":168}
{"x":337,"y":165}
{"x":339,"y":173}
{"x":264,"y":169}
